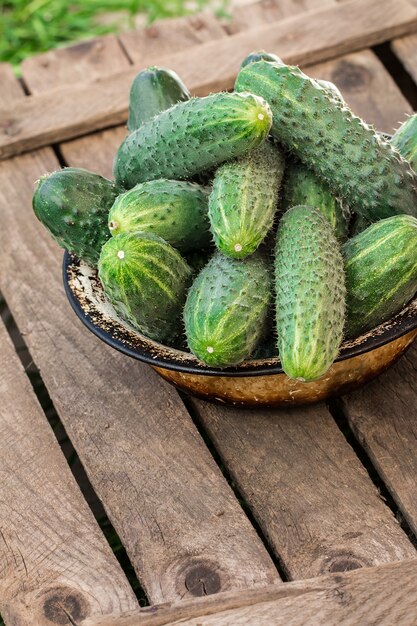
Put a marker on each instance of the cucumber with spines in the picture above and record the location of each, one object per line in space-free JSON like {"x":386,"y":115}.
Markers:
{"x":154,"y":90}
{"x":310,"y":293}
{"x":332,"y":89}
{"x":302,"y":187}
{"x":192,"y":137}
{"x":260,"y":55}
{"x":146,"y":281}
{"x":405,"y":140}
{"x":381,"y":272}
{"x":355,"y":161}
{"x":244,"y":200}
{"x":226,"y":309}
{"x":73,"y":205}
{"x":174,"y":210}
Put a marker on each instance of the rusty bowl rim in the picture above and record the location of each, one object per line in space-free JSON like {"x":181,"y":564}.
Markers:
{"x":161,"y":356}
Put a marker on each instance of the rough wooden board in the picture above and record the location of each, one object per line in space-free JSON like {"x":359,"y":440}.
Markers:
{"x":179,"y":521}
{"x":406,"y":50}
{"x":307,"y":489}
{"x":309,"y":37}
{"x":367,"y":87}
{"x":381,"y":596}
{"x":53,"y":556}
{"x":383,"y":417}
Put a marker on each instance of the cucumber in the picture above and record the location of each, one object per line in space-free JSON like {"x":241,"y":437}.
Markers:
{"x":405,"y":140}
{"x":339,"y":147}
{"x":244,"y":200}
{"x":154,"y":90}
{"x":302,"y":187}
{"x":226,"y":309}
{"x":73,"y":205}
{"x":192,"y":137}
{"x":310,"y":293}
{"x":174,"y":210}
{"x":260,"y":55}
{"x":332,"y":90}
{"x":381,"y":272}
{"x":146,"y":281}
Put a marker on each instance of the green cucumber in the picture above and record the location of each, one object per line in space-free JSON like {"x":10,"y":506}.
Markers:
{"x":302,"y":187}
{"x":381,"y":272}
{"x":154,"y":90}
{"x":332,"y":90}
{"x":226,"y":309}
{"x":174,"y":210}
{"x":73,"y":205}
{"x":244,"y":200}
{"x":405,"y":140}
{"x":362,"y":168}
{"x":192,"y":137}
{"x":260,"y":55}
{"x":310,"y":293}
{"x":146,"y":280}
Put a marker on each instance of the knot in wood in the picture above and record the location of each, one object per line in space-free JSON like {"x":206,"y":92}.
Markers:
{"x":350,"y":76}
{"x":201,"y":579}
{"x":65,"y":606}
{"x":343,"y":561}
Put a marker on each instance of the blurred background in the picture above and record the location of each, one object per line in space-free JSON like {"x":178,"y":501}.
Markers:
{"x":34,"y":26}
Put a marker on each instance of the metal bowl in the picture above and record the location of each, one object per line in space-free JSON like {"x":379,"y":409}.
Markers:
{"x":252,"y":383}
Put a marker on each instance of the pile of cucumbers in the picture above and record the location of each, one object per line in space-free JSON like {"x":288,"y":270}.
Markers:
{"x":267,"y":221}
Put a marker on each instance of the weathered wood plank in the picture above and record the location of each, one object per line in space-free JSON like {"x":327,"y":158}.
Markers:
{"x":53,"y":556}
{"x":178,"y":519}
{"x":309,"y":37}
{"x":379,"y":596}
{"x":406,"y":50}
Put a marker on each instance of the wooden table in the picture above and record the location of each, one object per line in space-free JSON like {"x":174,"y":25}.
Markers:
{"x":295,"y":517}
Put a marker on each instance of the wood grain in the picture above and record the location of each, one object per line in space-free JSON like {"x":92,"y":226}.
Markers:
{"x":309,"y":37}
{"x":178,"y":519}
{"x":53,"y":556}
{"x":380,"y":596}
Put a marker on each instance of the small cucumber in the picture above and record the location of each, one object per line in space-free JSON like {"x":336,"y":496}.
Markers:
{"x":154,"y":90}
{"x":146,"y":281}
{"x":244,"y":200}
{"x":355,"y":161}
{"x":260,"y":55}
{"x":302,"y":187}
{"x":73,"y":205}
{"x":405,"y":140}
{"x":192,"y":137}
{"x":310,"y":293}
{"x":174,"y":210}
{"x":226,"y":309}
{"x":381,"y":272}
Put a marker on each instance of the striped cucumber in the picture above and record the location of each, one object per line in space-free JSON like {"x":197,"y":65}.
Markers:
{"x":405,"y":140}
{"x":73,"y":205}
{"x":174,"y":210}
{"x":146,"y":281}
{"x":192,"y":137}
{"x":244,"y":200}
{"x":339,"y":147}
{"x":302,"y":187}
{"x":381,"y":272}
{"x":154,"y":90}
{"x":226,"y":309}
{"x":310,"y":293}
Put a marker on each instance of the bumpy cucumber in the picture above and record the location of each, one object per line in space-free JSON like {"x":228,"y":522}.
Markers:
{"x":405,"y":140}
{"x":260,"y":55}
{"x":244,"y":200}
{"x":226,"y":309}
{"x":73,"y":205}
{"x":174,"y":210}
{"x":302,"y":187}
{"x":310,"y":293}
{"x":381,"y":272}
{"x":332,"y":90}
{"x":345,"y":152}
{"x":154,"y":90}
{"x":192,"y":137}
{"x":146,"y":280}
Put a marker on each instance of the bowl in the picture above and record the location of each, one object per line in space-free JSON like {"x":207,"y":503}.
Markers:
{"x":252,"y":383}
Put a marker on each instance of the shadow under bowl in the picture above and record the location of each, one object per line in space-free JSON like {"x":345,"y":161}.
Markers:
{"x":252,"y":383}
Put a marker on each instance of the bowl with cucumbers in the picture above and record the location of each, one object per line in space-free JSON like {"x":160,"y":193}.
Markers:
{"x":256,"y":248}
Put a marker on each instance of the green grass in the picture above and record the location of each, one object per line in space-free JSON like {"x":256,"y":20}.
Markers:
{"x":34,"y":26}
